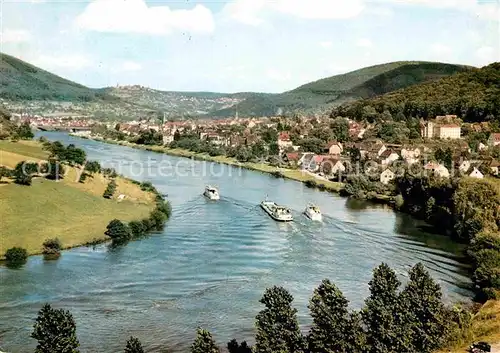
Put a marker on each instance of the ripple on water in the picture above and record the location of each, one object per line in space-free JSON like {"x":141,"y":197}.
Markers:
{"x":213,"y":261}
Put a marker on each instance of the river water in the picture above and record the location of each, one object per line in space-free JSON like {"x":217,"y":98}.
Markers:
{"x":213,"y":261}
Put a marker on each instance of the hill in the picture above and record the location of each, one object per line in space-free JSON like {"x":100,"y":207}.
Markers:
{"x":23,"y":81}
{"x":25,"y":86}
{"x":328,"y":92}
{"x":176,"y":104}
{"x":64,"y":209}
{"x":473,"y":95}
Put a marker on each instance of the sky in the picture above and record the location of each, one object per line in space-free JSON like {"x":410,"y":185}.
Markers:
{"x":241,"y":45}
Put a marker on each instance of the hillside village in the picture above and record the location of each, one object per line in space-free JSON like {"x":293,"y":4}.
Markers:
{"x":327,"y":148}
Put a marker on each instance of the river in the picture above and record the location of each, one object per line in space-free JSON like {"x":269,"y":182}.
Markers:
{"x":213,"y":261}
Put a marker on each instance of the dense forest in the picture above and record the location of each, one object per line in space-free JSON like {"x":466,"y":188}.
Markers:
{"x":473,"y":95}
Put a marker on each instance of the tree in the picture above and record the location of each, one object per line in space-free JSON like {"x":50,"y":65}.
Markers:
{"x":133,"y":346}
{"x":23,"y":132}
{"x":55,"y":170}
{"x":204,"y":343}
{"x":74,"y":155}
{"x":234,"y":347}
{"x":118,"y":230}
{"x":158,"y":219}
{"x":92,"y":167}
{"x":277,"y":326}
{"x":16,"y":256}
{"x":23,"y":172}
{"x":329,"y":311}
{"x":381,"y":312}
{"x":110,"y":189}
{"x":340,"y":128}
{"x":444,"y":156}
{"x":137,"y":228}
{"x":4,"y":172}
{"x":52,"y":247}
{"x":274,"y":149}
{"x":424,"y":310}
{"x":55,"y":331}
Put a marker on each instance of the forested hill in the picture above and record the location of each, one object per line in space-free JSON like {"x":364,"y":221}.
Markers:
{"x":473,"y":95}
{"x":23,"y":81}
{"x":323,"y":94}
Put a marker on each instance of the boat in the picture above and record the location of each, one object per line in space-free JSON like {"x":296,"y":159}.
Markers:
{"x":313,"y":212}
{"x":277,"y":212}
{"x":211,"y":193}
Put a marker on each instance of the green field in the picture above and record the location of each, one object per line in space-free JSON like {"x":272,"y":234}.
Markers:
{"x":75,"y":213}
{"x":48,"y":209}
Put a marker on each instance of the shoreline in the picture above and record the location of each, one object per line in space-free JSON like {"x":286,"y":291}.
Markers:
{"x":291,"y":174}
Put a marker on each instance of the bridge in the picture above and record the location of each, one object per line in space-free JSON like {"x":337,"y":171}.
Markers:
{"x":63,"y":128}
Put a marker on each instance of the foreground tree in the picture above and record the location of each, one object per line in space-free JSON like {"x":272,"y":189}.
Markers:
{"x":133,"y":346}
{"x":204,"y":343}
{"x":277,"y":326}
{"x":425,"y":312}
{"x":381,"y":313}
{"x":329,"y":311}
{"x":234,"y":347}
{"x":55,"y":331}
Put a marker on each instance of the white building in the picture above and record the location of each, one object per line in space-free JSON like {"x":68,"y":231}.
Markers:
{"x":387,"y":176}
{"x":441,"y":131}
{"x":437,"y":169}
{"x":494,"y":139}
{"x":476,"y":174}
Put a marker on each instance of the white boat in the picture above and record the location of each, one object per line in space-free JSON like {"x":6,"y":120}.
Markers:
{"x":313,"y":212}
{"x":277,"y":212}
{"x":211,"y":193}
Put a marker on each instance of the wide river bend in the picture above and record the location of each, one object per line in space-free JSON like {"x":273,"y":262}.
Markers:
{"x":213,"y":261}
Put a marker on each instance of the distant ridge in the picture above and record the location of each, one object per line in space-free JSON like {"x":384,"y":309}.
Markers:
{"x":21,"y":81}
{"x":473,"y":95}
{"x":363,"y":83}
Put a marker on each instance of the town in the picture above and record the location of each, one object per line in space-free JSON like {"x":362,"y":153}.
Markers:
{"x":328,"y":148}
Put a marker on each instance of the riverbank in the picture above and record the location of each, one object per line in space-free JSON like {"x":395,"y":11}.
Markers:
{"x":75,"y":213}
{"x":292,"y":174}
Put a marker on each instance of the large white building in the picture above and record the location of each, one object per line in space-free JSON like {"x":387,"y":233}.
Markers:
{"x":442,"y":131}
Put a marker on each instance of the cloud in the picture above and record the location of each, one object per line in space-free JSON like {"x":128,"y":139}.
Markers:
{"x":441,"y":49}
{"x":277,"y":75}
{"x":245,"y":11}
{"x":364,"y":43}
{"x":134,"y":16}
{"x":130,"y":66}
{"x":72,"y":62}
{"x":486,"y":55}
{"x":486,"y":10}
{"x":15,"y":36}
{"x":326,"y":44}
{"x":320,"y":9}
{"x":251,"y":11}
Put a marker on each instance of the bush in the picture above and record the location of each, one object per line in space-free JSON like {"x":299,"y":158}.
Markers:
{"x":110,"y":189}
{"x":165,"y":208}
{"x":116,"y":229}
{"x":137,"y":228}
{"x":147,"y":186}
{"x":52,"y":246}
{"x":311,"y":183}
{"x":16,"y":256}
{"x":399,"y":202}
{"x":157,"y":219}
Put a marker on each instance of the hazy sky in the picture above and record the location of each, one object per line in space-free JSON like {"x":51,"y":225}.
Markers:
{"x":242,"y":45}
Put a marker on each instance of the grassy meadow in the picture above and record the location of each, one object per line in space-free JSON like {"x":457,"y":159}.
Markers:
{"x":74,"y":212}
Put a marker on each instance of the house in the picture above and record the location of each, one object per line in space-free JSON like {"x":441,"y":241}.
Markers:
{"x":410,"y":153}
{"x":292,"y":157}
{"x":168,"y":139}
{"x":482,"y":147}
{"x":495,"y":167}
{"x":464,"y":166}
{"x":437,"y":169}
{"x":476,"y":174}
{"x":387,"y":176}
{"x":332,"y":166}
{"x":432,"y":129}
{"x":284,"y":141}
{"x":388,"y":156}
{"x":334,"y":148}
{"x":494,"y":139}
